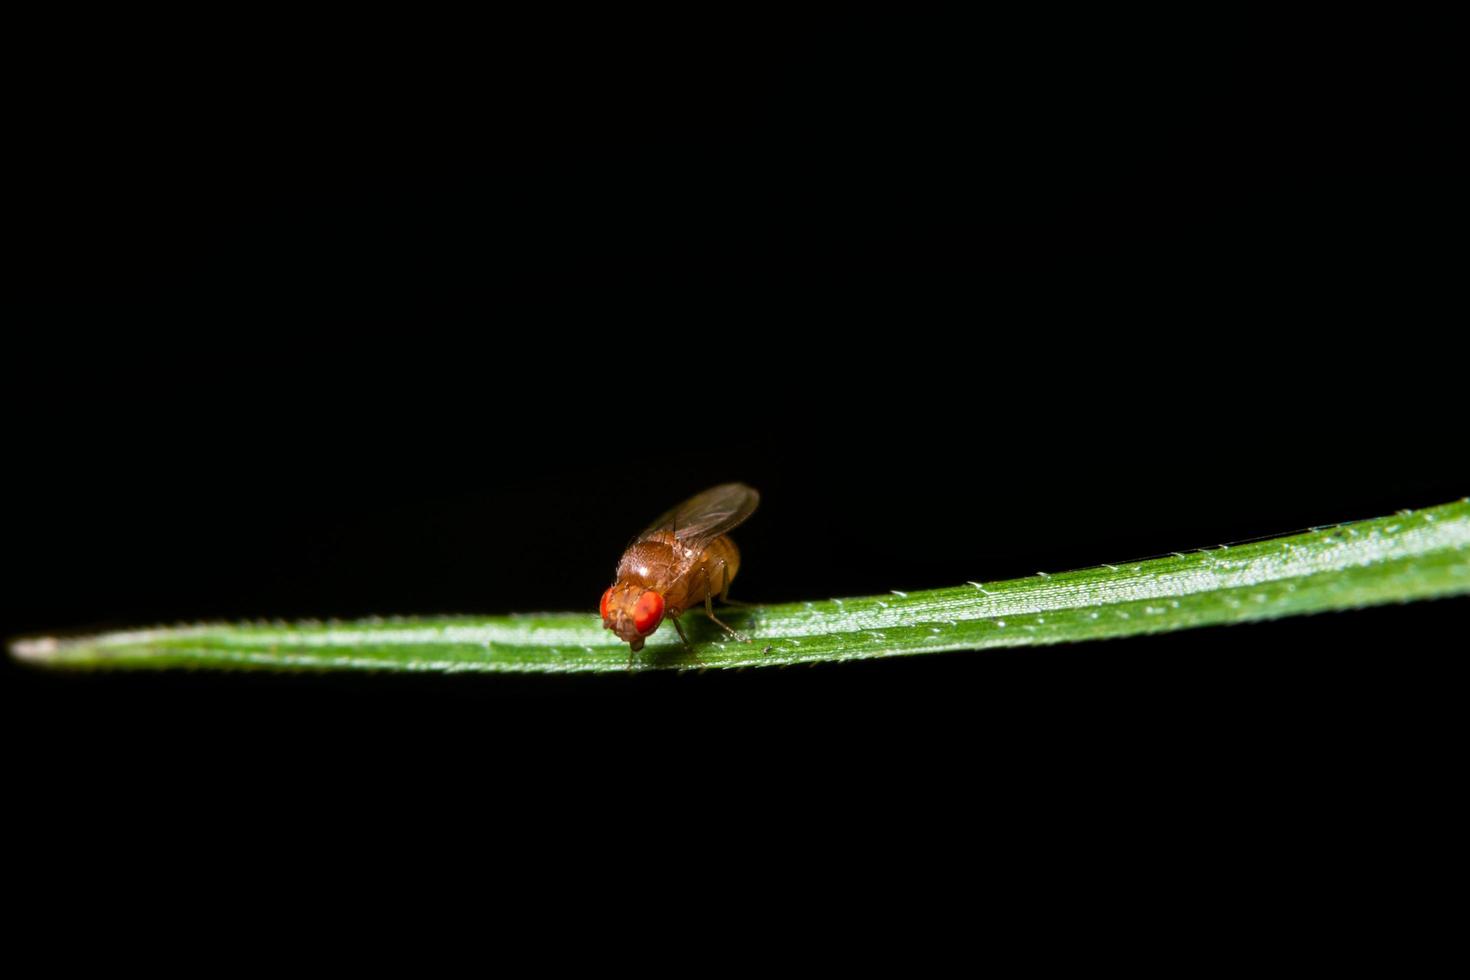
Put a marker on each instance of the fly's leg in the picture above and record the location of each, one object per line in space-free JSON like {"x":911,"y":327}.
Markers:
{"x":725,"y":599}
{"x":709,"y":604}
{"x":709,"y":610}
{"x":687,"y":648}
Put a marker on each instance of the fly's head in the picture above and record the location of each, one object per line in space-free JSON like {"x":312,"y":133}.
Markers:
{"x":633,"y":612}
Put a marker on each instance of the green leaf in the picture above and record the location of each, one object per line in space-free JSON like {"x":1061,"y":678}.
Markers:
{"x":1411,"y":555}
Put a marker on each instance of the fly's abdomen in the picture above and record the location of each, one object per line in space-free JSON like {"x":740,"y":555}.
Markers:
{"x":716,"y":567}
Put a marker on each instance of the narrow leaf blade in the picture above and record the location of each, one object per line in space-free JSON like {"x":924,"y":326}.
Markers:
{"x":1413,"y":555}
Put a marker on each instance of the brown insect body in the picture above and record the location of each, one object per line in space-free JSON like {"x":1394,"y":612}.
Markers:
{"x":683,"y":559}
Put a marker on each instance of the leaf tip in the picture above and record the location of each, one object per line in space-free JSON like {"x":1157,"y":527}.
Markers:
{"x":38,"y":649}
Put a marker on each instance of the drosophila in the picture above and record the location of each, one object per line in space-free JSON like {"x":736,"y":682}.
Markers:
{"x":682,"y":559}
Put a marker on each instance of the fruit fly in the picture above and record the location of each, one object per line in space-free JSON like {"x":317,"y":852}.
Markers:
{"x":682,"y":559}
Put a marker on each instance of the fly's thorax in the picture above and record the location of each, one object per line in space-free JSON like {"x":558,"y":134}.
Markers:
{"x":650,"y":563}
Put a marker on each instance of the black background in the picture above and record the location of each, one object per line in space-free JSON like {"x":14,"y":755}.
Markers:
{"x":369,"y":323}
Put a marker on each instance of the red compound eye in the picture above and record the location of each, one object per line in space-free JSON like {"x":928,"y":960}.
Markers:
{"x":648,"y":612}
{"x":606,"y":596}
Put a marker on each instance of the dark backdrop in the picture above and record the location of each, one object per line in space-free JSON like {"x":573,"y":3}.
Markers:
{"x":385,"y":326}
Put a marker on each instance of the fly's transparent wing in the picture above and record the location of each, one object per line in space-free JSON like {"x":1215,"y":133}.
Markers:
{"x":705,"y":516}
